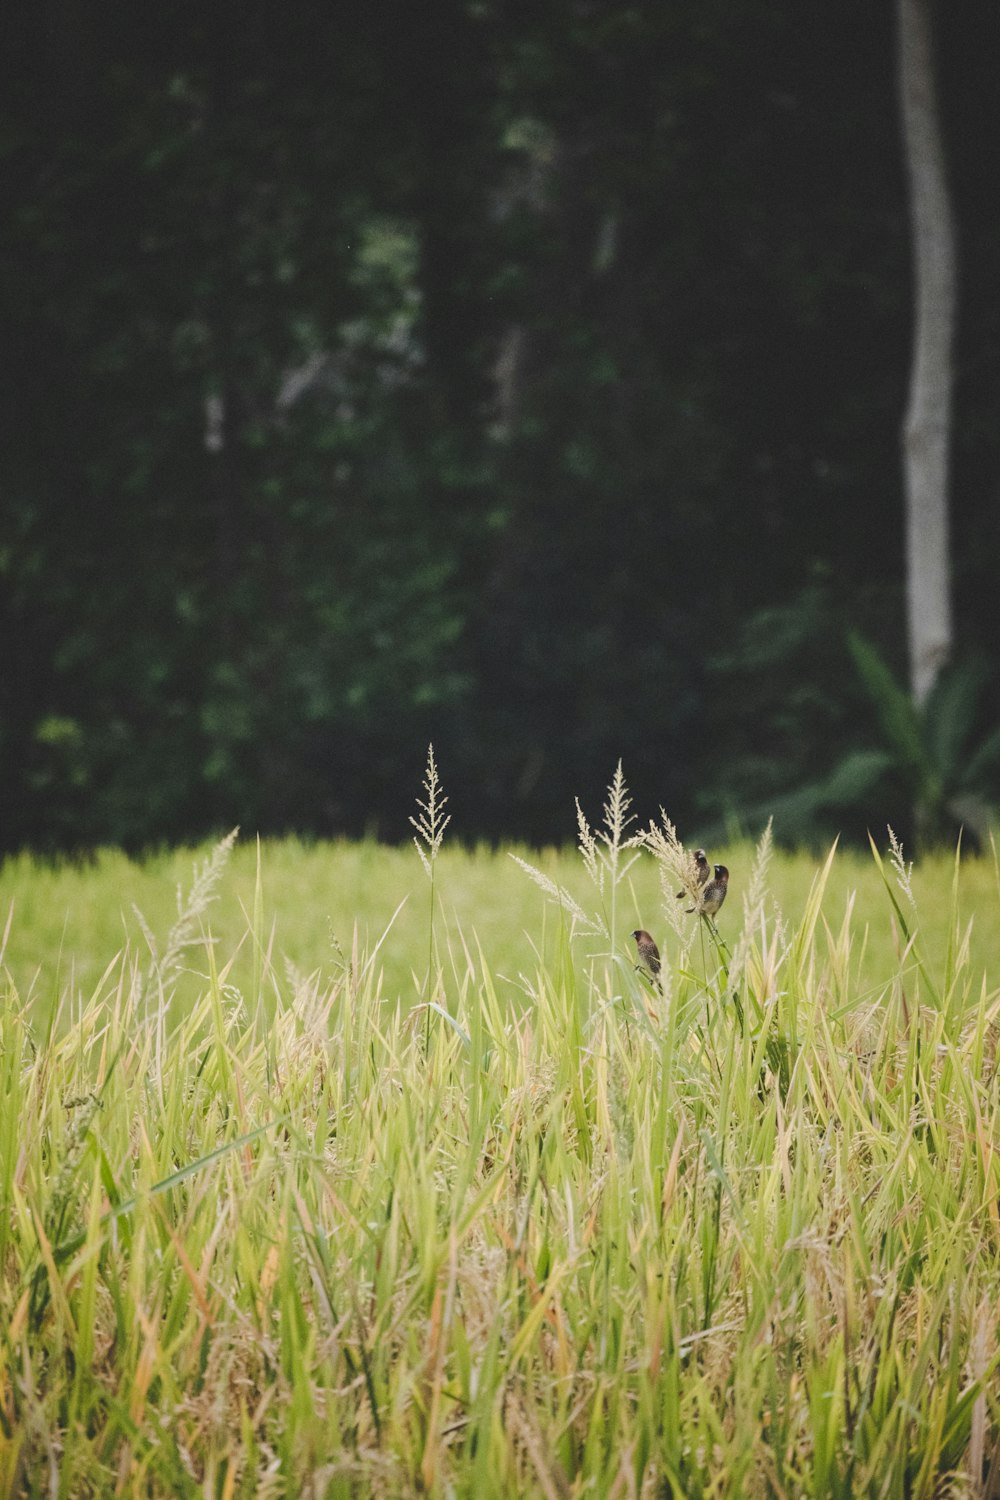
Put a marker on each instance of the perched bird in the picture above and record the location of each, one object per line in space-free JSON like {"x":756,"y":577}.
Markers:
{"x":714,"y":893}
{"x":702,"y":871}
{"x":649,"y":953}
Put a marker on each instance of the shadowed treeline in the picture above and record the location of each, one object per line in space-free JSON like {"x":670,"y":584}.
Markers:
{"x":524,"y":378}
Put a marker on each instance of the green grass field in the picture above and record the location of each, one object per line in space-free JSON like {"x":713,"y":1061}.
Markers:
{"x":311,"y":1188}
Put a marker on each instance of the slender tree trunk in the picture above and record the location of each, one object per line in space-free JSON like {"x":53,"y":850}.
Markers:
{"x":926,"y":429}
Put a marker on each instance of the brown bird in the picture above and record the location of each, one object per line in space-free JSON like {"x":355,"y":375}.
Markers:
{"x":714,"y":893}
{"x":649,"y":953}
{"x":702,"y":871}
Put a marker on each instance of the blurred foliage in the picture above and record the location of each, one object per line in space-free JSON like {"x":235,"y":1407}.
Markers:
{"x":486,"y":373}
{"x":794,"y":722}
{"x":946,"y":756}
{"x":821,"y":762}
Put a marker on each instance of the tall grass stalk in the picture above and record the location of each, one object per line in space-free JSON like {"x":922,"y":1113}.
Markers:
{"x":605,"y":852}
{"x":430,"y":825}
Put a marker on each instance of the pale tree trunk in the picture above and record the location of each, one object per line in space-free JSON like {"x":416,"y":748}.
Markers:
{"x":925,"y":437}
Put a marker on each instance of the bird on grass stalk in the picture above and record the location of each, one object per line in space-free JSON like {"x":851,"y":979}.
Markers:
{"x":702,"y":871}
{"x":649,"y":954}
{"x":713,"y":894}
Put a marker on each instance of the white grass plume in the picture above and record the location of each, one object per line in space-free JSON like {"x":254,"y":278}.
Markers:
{"x":675,"y":867}
{"x":430,"y":826}
{"x":559,"y":894}
{"x":433,"y":821}
{"x":754,"y":900}
{"x":184,"y":933}
{"x":603,"y":848}
{"x":903,"y":870}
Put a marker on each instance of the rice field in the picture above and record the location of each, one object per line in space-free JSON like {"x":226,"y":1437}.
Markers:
{"x":354,"y":1171}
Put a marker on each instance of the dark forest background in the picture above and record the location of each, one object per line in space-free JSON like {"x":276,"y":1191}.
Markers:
{"x":524,"y":377}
